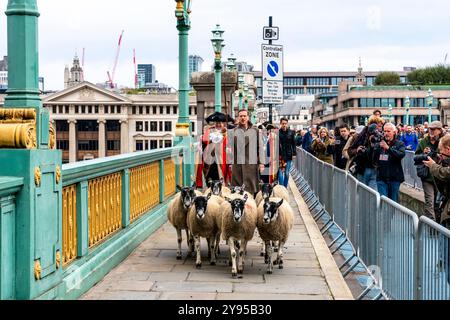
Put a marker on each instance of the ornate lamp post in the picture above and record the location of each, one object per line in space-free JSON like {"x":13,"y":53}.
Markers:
{"x":390,"y":113}
{"x":183,"y":127}
{"x":217,"y":42}
{"x":407,"y":105}
{"x":430,"y":104}
{"x":231,"y":65}
{"x":241,"y":88}
{"x":246,"y":96}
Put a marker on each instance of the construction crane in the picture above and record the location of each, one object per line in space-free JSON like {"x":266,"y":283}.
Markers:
{"x":135,"y":70}
{"x":111,"y":75}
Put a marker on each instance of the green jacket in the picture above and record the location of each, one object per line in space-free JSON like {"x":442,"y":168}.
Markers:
{"x":424,"y":143}
{"x":442,"y":179}
{"x":323,"y":151}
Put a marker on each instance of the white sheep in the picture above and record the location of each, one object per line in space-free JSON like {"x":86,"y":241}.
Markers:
{"x":239,"y":215}
{"x":217,"y":188}
{"x":275,"y":221}
{"x":177,"y":215}
{"x":204,"y":220}
{"x":271,"y":190}
{"x":240,"y":190}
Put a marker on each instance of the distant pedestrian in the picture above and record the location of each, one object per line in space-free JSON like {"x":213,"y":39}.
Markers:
{"x":287,"y":151}
{"x":409,"y":138}
{"x":322,"y":146}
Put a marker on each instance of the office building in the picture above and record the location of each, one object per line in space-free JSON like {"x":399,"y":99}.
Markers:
{"x":146,"y":75}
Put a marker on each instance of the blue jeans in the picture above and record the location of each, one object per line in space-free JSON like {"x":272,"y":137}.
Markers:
{"x":283,"y":176}
{"x":369,"y":178}
{"x":389,"y":189}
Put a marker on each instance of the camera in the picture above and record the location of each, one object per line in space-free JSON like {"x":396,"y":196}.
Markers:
{"x":418,"y":160}
{"x":377,"y":137}
{"x":269,"y":33}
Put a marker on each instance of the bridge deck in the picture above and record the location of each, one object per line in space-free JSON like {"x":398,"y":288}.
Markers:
{"x":152,"y":272}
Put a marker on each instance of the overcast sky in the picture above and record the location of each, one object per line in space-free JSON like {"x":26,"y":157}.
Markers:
{"x":319,"y":35}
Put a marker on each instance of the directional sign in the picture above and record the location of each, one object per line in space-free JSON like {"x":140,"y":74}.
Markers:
{"x":272,"y":62}
{"x":272,"y":75}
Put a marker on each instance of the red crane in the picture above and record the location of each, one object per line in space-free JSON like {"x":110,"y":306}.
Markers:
{"x":111,"y":76}
{"x":135,"y":70}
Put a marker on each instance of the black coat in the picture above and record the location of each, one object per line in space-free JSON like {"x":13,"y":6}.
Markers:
{"x":287,"y":144}
{"x":389,"y":163}
{"x":339,"y":160}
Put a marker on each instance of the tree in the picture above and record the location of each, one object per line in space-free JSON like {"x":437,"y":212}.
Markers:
{"x":439,"y":74}
{"x":387,"y":78}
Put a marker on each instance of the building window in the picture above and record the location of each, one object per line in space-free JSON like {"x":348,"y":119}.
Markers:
{"x":147,"y":109}
{"x":192,"y":126}
{"x":168,"y":110}
{"x":87,"y":145}
{"x":62,"y":144}
{"x":167,"y":144}
{"x":139,"y":145}
{"x":113,"y":144}
{"x":62,"y":126}
{"x":168,"y":126}
{"x":60,"y":109}
{"x":90,"y":109}
{"x":87,"y":125}
{"x":83,"y":109}
{"x":96,"y":109}
{"x":141,"y":110}
{"x":305,"y":117}
{"x":76,"y":109}
{"x":153,"y":126}
{"x":146,"y":126}
{"x":175,"y":110}
{"x":160,"y":126}
{"x":112,"y":125}
{"x":139,"y":126}
{"x":146,"y":144}
{"x":154,"y":109}
{"x":134,"y":110}
{"x":153,"y":144}
{"x":161,"y":110}
{"x":190,"y":111}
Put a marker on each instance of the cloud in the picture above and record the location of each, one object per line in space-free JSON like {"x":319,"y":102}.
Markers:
{"x":374,"y":18}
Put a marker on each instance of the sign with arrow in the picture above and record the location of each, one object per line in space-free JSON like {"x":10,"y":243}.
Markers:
{"x":272,"y":75}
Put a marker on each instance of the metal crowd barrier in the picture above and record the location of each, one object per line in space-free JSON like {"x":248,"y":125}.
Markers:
{"x":405,"y":257}
{"x":409,"y":170}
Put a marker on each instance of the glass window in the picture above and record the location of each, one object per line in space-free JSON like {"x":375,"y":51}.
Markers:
{"x":87,"y":125}
{"x":153,"y":126}
{"x":161,"y":126}
{"x":154,"y":109}
{"x":168,"y":126}
{"x":141,"y":110}
{"x":175,"y":110}
{"x":153,"y":144}
{"x":61,"y":125}
{"x":167,"y":143}
{"x":139,"y":126}
{"x":146,"y":144}
{"x":168,"y":110}
{"x":146,"y":126}
{"x":147,"y":109}
{"x":134,"y":110}
{"x":139,"y":145}
{"x":192,"y":126}
{"x":161,"y":110}
{"x":112,"y":125}
{"x":87,"y":145}
{"x":62,"y":144}
{"x":113,"y":144}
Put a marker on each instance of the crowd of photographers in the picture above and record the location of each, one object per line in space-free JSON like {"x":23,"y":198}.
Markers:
{"x":374,"y":153}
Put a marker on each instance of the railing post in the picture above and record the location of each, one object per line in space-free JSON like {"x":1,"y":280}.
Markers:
{"x":82,"y":219}
{"x":125,"y":198}
{"x":177,"y":171}
{"x":161,"y":181}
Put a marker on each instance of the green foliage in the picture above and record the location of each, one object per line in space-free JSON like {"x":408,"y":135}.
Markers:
{"x":439,"y":74}
{"x":387,"y":78}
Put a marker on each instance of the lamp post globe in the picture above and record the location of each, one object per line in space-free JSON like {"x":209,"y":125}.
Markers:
{"x":246,"y":90}
{"x":217,"y":43}
{"x":407,"y":105}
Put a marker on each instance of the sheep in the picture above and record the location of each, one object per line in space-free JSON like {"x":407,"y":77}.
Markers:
{"x":177,"y":214}
{"x":205,"y":220}
{"x":217,"y":188}
{"x":275,"y":221}
{"x":271,"y":190}
{"x":240,"y":190}
{"x":239,"y":215}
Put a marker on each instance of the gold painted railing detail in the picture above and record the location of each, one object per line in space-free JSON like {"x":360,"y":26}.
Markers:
{"x":144,"y":189}
{"x":105,"y":207}
{"x":181,"y":172}
{"x":69,"y":221}
{"x":169,"y":178}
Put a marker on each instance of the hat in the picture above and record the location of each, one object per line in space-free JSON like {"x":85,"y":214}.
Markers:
{"x":219,"y":117}
{"x":435,"y":125}
{"x":359,"y":129}
{"x":268,"y":125}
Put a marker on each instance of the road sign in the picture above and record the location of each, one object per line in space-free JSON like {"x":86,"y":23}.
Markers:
{"x":272,"y":75}
{"x":270,"y":33}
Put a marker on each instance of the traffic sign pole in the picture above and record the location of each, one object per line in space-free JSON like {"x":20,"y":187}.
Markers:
{"x":270,"y":105}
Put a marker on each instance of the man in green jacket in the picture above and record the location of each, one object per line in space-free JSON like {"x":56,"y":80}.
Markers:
{"x":429,"y":146}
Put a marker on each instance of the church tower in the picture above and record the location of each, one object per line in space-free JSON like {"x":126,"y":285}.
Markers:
{"x":360,"y":77}
{"x":76,"y":74}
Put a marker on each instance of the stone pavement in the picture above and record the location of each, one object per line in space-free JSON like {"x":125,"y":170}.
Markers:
{"x":152,"y":272}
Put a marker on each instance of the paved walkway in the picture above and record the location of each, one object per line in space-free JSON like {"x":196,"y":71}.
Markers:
{"x":152,"y":272}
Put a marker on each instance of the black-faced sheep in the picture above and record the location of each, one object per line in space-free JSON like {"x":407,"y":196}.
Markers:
{"x":240,"y":190}
{"x":239,"y":215}
{"x":271,"y":190}
{"x":177,"y":214}
{"x":275,"y":221}
{"x":204,"y":220}
{"x":217,"y":188}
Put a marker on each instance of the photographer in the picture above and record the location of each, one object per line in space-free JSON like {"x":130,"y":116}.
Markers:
{"x":428,"y":146}
{"x":440,"y":170}
{"x":344,"y":134}
{"x":361,"y":152}
{"x":387,"y":157}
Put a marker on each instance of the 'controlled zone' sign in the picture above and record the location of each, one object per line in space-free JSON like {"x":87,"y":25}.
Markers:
{"x":272,"y":74}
